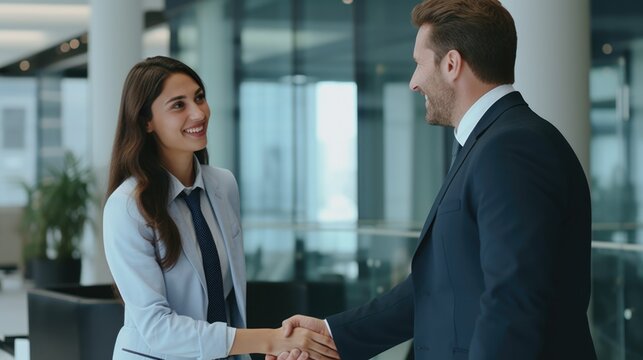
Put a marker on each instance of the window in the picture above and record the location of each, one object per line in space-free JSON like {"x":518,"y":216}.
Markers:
{"x":13,"y":128}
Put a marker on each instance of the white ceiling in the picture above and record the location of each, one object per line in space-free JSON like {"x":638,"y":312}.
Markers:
{"x":29,"y":26}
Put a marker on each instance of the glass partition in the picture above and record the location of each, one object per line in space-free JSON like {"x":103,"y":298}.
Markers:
{"x":616,"y":311}
{"x":320,"y":270}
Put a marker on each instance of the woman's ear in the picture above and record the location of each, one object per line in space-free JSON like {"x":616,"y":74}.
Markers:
{"x":149,"y":127}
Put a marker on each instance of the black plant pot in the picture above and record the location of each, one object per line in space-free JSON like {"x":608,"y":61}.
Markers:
{"x":47,"y":272}
{"x":28,"y":273}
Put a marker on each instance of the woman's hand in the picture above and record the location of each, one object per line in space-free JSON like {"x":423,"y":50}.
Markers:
{"x":292,"y":355}
{"x":318,"y":347}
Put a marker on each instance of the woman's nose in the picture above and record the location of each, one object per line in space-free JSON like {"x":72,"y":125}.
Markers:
{"x":196,"y":113}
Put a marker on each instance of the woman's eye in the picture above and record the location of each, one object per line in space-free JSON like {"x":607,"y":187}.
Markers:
{"x":177,"y":105}
{"x":199,"y":98}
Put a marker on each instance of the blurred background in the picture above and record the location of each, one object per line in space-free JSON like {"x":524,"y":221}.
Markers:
{"x":312,"y":112}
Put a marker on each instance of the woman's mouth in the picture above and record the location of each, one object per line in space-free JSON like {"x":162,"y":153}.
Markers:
{"x":196,"y":131}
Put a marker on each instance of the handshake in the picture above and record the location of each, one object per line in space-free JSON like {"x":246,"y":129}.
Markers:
{"x":304,"y":338}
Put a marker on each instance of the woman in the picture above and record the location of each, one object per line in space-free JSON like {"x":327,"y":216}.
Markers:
{"x":172,"y":231}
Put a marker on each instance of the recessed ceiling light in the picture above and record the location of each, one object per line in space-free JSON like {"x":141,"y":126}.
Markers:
{"x":24,"y":65}
{"x":64,"y":47}
{"x":74,"y":43}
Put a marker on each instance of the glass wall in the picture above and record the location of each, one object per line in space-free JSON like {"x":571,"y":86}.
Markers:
{"x":616,"y":88}
{"x":18,"y":114}
{"x":40,"y":118}
{"x":317,"y":120}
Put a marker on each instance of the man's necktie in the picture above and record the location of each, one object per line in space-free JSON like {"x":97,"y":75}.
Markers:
{"x":210,"y":256}
{"x":455,"y":150}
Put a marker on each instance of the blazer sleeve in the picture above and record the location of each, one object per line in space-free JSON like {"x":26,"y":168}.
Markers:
{"x":376,"y":326}
{"x":518,"y":188}
{"x":132,"y":262}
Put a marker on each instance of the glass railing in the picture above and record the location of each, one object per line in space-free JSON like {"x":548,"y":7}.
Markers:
{"x":321,"y":270}
{"x":616,"y":310}
{"x":344,"y":265}
{"x":368,"y":261}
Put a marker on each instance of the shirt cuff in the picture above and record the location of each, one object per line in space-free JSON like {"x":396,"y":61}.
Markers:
{"x":328,"y":327}
{"x":231,"y":334}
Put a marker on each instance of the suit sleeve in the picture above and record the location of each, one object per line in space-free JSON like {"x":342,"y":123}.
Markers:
{"x":139,"y":278}
{"x":376,"y":326}
{"x":519,"y":186}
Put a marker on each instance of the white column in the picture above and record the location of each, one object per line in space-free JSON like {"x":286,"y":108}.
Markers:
{"x":552,"y":65}
{"x":216,"y":68}
{"x":115,"y":44}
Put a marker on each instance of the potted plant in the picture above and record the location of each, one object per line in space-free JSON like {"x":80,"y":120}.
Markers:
{"x":32,"y":229}
{"x":53,"y":222}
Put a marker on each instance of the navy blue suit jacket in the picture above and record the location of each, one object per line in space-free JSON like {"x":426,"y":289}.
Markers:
{"x":502,"y":270}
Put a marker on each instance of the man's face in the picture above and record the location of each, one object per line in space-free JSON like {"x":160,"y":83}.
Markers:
{"x":428,"y":80}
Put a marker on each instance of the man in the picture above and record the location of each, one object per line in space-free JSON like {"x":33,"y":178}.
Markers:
{"x":502,"y":270}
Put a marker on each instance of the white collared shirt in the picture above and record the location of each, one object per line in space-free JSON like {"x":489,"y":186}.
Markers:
{"x":477,"y":110}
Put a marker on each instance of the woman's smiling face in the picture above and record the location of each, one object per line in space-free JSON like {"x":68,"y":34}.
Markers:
{"x":180,"y":117}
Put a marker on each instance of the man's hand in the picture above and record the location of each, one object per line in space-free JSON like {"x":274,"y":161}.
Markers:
{"x":293,"y":322}
{"x":310,"y":323}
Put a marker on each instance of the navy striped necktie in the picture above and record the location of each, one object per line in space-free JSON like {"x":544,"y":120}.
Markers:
{"x":210,"y":256}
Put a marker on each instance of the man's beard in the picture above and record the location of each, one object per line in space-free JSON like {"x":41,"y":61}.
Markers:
{"x":440,"y":108}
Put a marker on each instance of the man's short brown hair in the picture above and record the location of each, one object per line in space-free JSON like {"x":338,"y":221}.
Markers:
{"x":482,"y":31}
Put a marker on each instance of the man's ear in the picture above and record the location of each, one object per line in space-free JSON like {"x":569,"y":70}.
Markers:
{"x":452,"y":65}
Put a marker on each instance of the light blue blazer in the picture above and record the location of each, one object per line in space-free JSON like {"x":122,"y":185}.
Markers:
{"x":165,"y":311}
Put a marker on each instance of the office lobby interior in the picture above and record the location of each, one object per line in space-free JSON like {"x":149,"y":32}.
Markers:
{"x":312,"y":113}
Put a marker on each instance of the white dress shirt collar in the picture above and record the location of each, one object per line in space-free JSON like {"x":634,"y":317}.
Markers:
{"x":176,"y":187}
{"x":477,"y":110}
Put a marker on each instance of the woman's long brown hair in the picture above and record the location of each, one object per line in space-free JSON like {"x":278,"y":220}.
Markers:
{"x":135,"y":152}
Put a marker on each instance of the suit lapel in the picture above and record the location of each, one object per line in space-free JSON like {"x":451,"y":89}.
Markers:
{"x":189,"y":247}
{"x":216,"y":202}
{"x":498,"y":108}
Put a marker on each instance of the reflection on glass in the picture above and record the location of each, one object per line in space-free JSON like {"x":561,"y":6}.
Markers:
{"x":336,"y":152}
